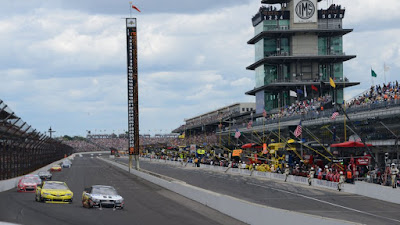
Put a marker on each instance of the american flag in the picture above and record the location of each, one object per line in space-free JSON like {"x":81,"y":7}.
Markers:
{"x":237,"y":134}
{"x":334,"y":115}
{"x":298,"y":130}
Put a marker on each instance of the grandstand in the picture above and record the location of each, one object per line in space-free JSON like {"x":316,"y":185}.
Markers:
{"x":372,"y":117}
{"x":106,"y":142}
{"x":22,"y":148}
{"x":299,"y":78}
{"x":206,"y":122}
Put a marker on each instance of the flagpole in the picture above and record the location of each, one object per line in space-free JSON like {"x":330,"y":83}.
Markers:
{"x":130,"y":9}
{"x":237,"y":142}
{"x":229,"y":134}
{"x":344,"y":109}
{"x":384,"y":72}
{"x":220,"y":131}
{"x":279,"y":125}
{"x":301,"y":140}
{"x":280,"y":109}
{"x":263,"y":129}
{"x":372,"y":78}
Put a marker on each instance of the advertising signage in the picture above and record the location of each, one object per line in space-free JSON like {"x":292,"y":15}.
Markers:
{"x":133,"y":112}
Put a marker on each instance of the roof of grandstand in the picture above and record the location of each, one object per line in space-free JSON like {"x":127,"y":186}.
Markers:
{"x":277,"y":1}
{"x":6,"y":112}
{"x":12,"y":124}
{"x":225,"y":108}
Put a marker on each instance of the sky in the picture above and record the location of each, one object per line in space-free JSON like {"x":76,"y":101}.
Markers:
{"x":63,"y":62}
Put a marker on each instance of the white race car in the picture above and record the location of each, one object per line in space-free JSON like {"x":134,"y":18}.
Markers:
{"x":102,"y":196}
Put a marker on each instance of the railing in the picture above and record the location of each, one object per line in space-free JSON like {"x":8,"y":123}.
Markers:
{"x":317,"y":54}
{"x":326,"y":113}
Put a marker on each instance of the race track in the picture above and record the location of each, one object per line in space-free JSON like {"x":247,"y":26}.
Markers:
{"x":294,"y":197}
{"x":145,"y":203}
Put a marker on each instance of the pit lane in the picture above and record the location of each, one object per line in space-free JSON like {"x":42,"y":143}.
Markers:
{"x":282,"y":195}
{"x":145,"y":203}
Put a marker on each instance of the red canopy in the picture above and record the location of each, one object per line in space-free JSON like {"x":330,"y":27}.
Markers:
{"x":350,"y":144}
{"x":251,"y":145}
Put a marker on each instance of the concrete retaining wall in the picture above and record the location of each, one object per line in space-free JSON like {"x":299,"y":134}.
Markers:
{"x":9,"y":184}
{"x":360,"y":188}
{"x":239,"y":209}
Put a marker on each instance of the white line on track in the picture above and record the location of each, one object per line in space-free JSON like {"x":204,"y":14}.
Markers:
{"x":325,"y":202}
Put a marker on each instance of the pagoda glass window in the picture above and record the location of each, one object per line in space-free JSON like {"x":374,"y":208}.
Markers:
{"x":285,"y":47}
{"x":259,"y":53}
{"x":271,"y":25}
{"x":284,"y":24}
{"x":260,"y":76}
{"x":268,"y":101}
{"x":286,"y":72}
{"x":338,"y":71}
{"x":324,"y":71}
{"x":269,"y":46}
{"x":259,"y":28}
{"x":283,"y":73}
{"x":322,"y":46}
{"x":271,"y":74}
{"x":336,"y":45}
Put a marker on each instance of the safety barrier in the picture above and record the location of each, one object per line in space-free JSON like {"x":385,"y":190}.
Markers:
{"x":9,"y":184}
{"x":375,"y":191}
{"x":245,"y":211}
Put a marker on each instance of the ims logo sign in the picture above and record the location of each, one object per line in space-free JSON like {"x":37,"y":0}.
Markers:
{"x":305,"y":9}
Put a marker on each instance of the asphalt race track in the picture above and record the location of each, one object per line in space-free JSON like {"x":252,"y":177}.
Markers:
{"x":145,"y":203}
{"x":299,"y":198}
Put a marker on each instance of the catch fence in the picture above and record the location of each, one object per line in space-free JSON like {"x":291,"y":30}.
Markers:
{"x":22,"y":148}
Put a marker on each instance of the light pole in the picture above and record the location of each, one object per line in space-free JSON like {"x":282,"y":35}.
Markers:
{"x":396,"y":142}
{"x":51,"y":131}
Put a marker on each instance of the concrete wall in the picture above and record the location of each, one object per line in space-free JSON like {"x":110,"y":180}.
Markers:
{"x":239,"y":209}
{"x":9,"y":184}
{"x":379,"y":192}
{"x":304,"y":44}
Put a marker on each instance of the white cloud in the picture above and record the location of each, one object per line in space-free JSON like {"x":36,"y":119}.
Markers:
{"x":360,"y":11}
{"x":68,"y":67}
{"x":245,"y":82}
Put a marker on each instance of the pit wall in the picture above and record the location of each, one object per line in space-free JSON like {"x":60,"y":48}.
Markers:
{"x":245,"y":211}
{"x":375,"y":191}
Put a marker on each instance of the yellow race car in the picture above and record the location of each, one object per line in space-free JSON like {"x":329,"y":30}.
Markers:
{"x":53,"y":192}
{"x":55,"y":167}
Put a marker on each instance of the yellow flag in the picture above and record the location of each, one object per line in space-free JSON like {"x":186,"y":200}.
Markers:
{"x":332,"y":82}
